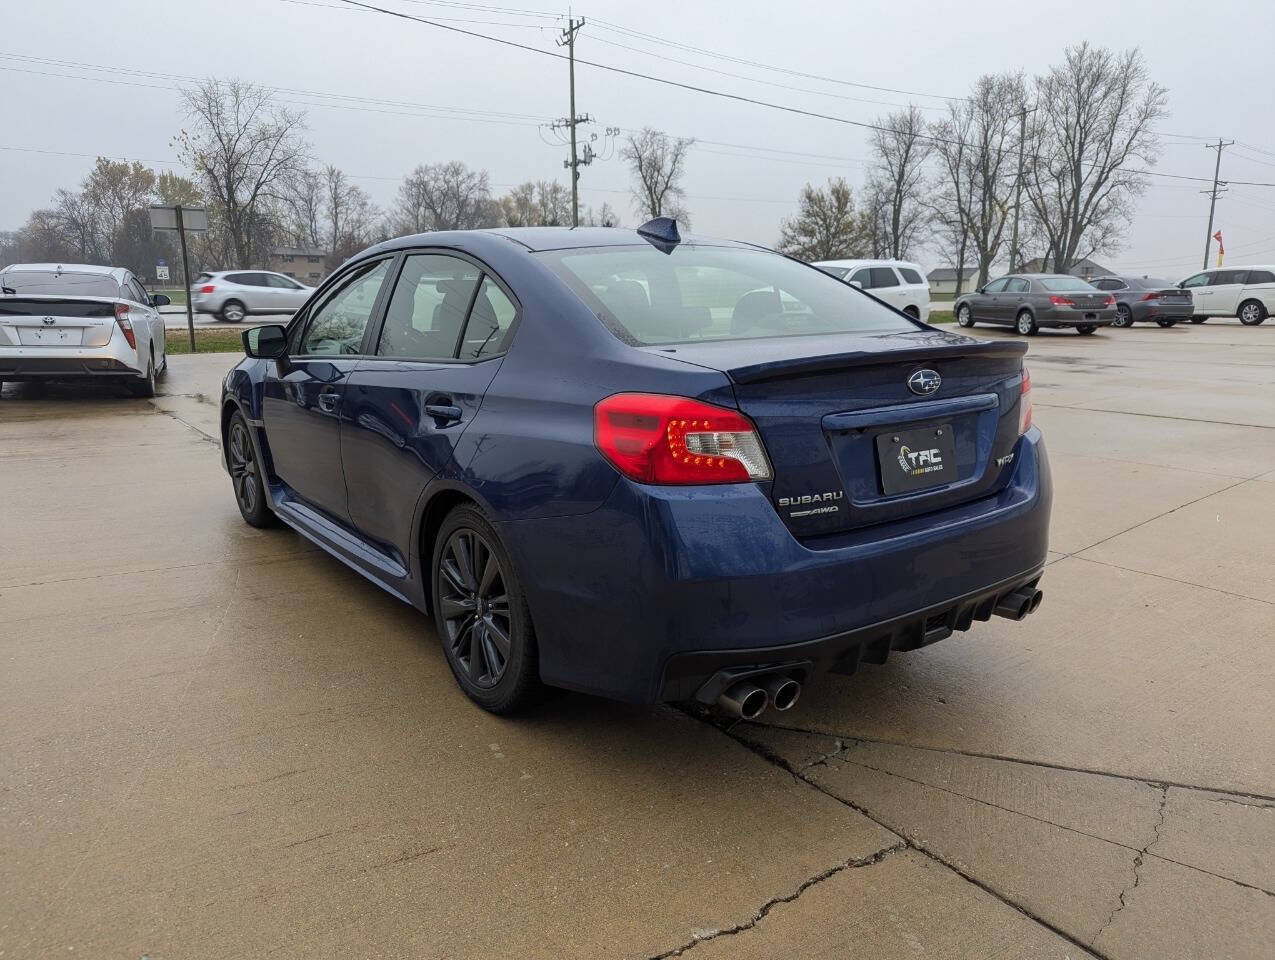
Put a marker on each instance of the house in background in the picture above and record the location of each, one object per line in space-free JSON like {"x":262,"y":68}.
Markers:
{"x":943,"y":280}
{"x":306,"y":265}
{"x":1084,"y":268}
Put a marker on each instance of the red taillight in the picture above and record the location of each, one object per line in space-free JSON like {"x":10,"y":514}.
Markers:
{"x":653,"y":438}
{"x":1058,"y":301}
{"x":1110,"y":301}
{"x":1150,"y":295}
{"x":1025,"y":404}
{"x":207,"y":288}
{"x":125,"y":324}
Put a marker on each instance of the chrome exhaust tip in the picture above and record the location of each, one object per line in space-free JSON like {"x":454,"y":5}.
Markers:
{"x":783,"y":691}
{"x":744,"y":700}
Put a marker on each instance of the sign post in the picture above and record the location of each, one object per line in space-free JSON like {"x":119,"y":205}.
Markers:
{"x":181,"y":219}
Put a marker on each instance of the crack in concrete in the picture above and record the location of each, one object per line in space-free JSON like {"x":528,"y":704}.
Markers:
{"x":761,"y":913}
{"x":1137,"y":866}
{"x":203,"y":434}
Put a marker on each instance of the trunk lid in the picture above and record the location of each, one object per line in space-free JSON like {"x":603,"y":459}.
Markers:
{"x":837,"y":416}
{"x":52,"y":321}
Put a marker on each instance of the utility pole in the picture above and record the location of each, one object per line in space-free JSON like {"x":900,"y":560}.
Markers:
{"x":1018,"y":186}
{"x":568,"y":40}
{"x":1217,"y":169}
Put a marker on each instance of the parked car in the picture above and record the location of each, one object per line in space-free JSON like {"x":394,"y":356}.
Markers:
{"x":1029,"y":301}
{"x":1244,"y":292}
{"x":233,"y":294}
{"x":621,"y":462}
{"x":899,"y":283}
{"x":1142,"y":299}
{"x":67,"y":321}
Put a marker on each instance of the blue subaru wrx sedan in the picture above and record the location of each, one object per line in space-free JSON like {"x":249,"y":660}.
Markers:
{"x":643,"y":466}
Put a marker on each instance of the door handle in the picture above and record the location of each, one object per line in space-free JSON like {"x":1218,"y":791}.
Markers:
{"x":328,"y":400}
{"x":444,"y":414}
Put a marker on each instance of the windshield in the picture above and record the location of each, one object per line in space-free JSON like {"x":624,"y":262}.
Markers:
{"x":60,"y":284}
{"x":1065,"y":283}
{"x":700,"y":293}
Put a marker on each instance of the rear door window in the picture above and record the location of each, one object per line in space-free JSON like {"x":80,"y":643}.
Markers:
{"x":489,"y":322}
{"x":910,"y":276}
{"x":1017,"y":285}
{"x":1223,"y":277}
{"x":431,"y":300}
{"x":884,"y":277}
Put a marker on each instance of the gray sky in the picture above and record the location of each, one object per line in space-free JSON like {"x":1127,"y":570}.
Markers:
{"x":1216,"y":64}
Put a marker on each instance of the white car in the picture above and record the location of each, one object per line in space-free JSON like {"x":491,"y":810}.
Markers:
{"x":66,"y":321}
{"x":233,"y":294}
{"x":899,"y":283}
{"x":1244,"y":292}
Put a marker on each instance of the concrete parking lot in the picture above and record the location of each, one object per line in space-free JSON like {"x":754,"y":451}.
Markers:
{"x":216,"y":741}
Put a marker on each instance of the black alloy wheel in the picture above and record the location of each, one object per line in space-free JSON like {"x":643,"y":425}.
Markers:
{"x":1085,"y":328}
{"x":245,"y":474}
{"x":482,"y":616}
{"x":1124,"y":316}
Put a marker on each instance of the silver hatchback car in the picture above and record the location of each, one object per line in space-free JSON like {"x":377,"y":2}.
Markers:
{"x":233,"y":294}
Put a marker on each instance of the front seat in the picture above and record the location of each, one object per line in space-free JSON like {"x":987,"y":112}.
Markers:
{"x":753,"y":309}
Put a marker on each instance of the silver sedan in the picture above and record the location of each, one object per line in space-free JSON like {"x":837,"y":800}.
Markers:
{"x":233,"y":294}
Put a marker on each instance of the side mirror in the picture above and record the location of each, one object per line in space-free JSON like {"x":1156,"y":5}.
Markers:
{"x":981,"y":290}
{"x":857,"y":284}
{"x":269,"y":342}
{"x":160,"y":300}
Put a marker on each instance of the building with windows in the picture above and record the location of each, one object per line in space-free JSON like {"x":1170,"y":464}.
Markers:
{"x":307,"y":265}
{"x":943,"y":279}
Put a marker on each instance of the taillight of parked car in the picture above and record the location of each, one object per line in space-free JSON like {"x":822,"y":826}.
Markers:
{"x":1110,"y":301}
{"x":125,"y":324}
{"x":1150,"y":295}
{"x":1025,"y":404}
{"x":207,"y":288}
{"x":653,"y":438}
{"x":1058,"y":301}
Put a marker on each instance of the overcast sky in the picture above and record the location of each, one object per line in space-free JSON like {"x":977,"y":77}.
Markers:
{"x":1217,"y":63}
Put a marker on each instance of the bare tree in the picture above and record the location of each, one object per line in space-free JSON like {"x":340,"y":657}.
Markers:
{"x":303,"y":199}
{"x":350,"y":214}
{"x":444,"y":196}
{"x":543,"y":204}
{"x":1091,"y":132}
{"x":244,"y":148}
{"x":79,"y":225}
{"x":658,"y":163}
{"x":827,"y":225}
{"x":900,"y":148}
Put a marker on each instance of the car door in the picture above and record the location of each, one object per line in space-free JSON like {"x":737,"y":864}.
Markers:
{"x":1225,"y":288}
{"x":1201,"y":292}
{"x":987,"y":305}
{"x":887,"y":286}
{"x":1017,"y":294}
{"x":302,"y":396}
{"x":408,"y":403}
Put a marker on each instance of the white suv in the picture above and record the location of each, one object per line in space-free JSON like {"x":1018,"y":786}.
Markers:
{"x":899,"y":283}
{"x":1244,"y":292}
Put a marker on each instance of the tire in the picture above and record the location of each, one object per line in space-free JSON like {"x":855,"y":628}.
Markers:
{"x":1085,"y":329}
{"x":1198,"y":319}
{"x":1124,"y":316}
{"x":471,"y":571}
{"x":1166,"y":323}
{"x":245,"y":474}
{"x":232,"y":311}
{"x":1025,"y":323}
{"x":964,"y":317}
{"x":1252,"y":313}
{"x":144,"y":386}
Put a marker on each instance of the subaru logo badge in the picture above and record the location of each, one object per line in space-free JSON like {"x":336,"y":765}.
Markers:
{"x":49,"y":321}
{"x":924,"y":382}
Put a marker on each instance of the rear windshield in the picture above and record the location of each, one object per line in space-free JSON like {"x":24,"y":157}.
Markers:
{"x":60,"y":284}
{"x":1065,"y":283}
{"x":700,"y":293}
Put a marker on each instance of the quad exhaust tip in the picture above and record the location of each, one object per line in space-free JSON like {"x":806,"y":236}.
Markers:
{"x":748,"y":701}
{"x":1017,"y":604}
{"x":783,"y":691}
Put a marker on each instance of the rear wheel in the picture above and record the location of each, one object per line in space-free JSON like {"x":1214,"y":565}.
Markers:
{"x":963,"y":315}
{"x":481,"y":615}
{"x":232,"y":311}
{"x":245,"y":474}
{"x":1252,"y":312}
{"x":145,"y":386}
{"x":1085,"y":328}
{"x":1026,"y":323}
{"x":1124,"y":316}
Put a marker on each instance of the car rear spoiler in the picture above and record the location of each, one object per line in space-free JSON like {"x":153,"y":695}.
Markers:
{"x":922,"y":353}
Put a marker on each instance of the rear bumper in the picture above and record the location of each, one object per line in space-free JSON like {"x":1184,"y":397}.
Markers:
{"x":1075,"y":317}
{"x":1151,"y":310}
{"x":116,"y":359}
{"x":650,"y":595}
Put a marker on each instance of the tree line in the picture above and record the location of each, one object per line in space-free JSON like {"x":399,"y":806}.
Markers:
{"x":950,"y":184}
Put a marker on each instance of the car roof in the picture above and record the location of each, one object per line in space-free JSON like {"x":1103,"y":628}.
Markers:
{"x":85,"y":268}
{"x":537,"y":239}
{"x":866,"y":263}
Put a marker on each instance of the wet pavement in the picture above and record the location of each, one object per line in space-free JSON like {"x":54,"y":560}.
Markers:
{"x":216,"y":741}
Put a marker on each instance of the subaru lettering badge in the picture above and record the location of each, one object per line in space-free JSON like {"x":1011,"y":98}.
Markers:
{"x":924,"y":382}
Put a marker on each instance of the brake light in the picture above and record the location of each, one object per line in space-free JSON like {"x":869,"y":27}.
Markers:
{"x":1025,"y":404}
{"x":207,"y":288}
{"x":1151,"y":295}
{"x":1110,"y":301}
{"x":1058,"y":301}
{"x":653,"y":438}
{"x":125,"y":324}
